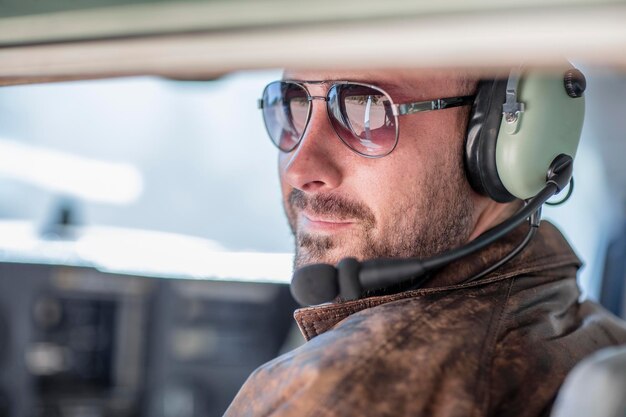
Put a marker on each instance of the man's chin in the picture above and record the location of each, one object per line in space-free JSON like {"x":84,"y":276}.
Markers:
{"x":305,"y":257}
{"x":315,"y":249}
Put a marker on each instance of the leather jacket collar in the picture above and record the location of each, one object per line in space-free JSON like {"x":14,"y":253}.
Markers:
{"x":547,"y":250}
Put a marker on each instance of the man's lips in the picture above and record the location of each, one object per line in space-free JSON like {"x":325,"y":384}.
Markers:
{"x":312,"y":221}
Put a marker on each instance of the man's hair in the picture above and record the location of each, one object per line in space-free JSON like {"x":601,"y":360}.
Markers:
{"x":468,"y":85}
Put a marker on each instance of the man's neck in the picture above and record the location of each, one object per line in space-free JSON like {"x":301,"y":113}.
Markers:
{"x":492,"y":215}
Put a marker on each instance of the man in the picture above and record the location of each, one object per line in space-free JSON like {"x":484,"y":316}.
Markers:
{"x":497,"y":346}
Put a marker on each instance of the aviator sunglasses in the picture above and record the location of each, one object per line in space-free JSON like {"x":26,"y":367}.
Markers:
{"x":364,"y":116}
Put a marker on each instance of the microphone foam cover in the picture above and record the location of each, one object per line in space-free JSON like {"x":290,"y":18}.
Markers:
{"x":315,"y":284}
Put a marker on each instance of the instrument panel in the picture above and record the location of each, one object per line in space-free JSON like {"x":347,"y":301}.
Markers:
{"x":80,"y":342}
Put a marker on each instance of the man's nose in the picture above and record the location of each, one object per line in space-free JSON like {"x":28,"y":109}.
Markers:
{"x":314,"y":166}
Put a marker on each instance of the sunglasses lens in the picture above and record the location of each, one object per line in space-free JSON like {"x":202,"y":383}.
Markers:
{"x":363,"y":118}
{"x":285,"y":112}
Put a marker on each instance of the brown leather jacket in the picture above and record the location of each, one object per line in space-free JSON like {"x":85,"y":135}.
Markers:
{"x":497,"y":347}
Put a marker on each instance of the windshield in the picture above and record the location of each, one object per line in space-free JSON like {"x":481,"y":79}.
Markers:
{"x":192,"y":159}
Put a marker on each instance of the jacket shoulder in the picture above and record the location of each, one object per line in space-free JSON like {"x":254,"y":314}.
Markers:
{"x":408,"y":357}
{"x":545,"y":332}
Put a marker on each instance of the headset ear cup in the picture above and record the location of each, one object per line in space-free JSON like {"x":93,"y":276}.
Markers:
{"x":481,"y":140}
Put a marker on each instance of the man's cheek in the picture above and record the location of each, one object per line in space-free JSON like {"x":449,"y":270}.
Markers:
{"x":291,"y":215}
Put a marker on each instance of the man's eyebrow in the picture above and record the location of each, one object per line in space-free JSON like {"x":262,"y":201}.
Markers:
{"x":397,"y":90}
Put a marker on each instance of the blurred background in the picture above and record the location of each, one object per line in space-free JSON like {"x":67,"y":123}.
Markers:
{"x":144,"y":254}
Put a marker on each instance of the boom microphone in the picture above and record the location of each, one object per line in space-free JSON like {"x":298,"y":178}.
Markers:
{"x":351,"y":279}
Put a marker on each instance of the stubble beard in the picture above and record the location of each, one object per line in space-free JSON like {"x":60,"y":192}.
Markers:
{"x":441,"y":219}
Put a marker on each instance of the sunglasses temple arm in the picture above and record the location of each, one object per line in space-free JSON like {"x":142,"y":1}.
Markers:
{"x":438,"y":104}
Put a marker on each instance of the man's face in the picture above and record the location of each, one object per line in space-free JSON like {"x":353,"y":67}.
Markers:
{"x":412,"y":202}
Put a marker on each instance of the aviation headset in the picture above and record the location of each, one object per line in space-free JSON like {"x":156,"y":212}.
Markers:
{"x":518,"y":126}
{"x":522,"y":137}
